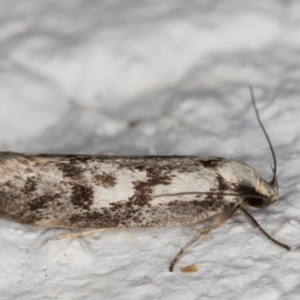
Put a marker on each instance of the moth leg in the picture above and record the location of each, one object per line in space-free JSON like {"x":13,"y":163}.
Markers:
{"x":79,"y":234}
{"x":217,"y":222}
{"x":254,"y":224}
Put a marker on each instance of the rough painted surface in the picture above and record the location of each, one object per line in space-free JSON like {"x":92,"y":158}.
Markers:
{"x":160,"y":78}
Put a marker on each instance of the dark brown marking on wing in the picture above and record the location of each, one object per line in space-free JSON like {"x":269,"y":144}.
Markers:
{"x":142,"y":194}
{"x":79,"y":158}
{"x":143,"y":189}
{"x":70,"y":158}
{"x":105,"y":180}
{"x":103,"y":219}
{"x":223,"y":184}
{"x":212,"y":203}
{"x":108,"y":218}
{"x":30,"y":185}
{"x":70,"y":169}
{"x":211,"y":163}
{"x":41,"y":202}
{"x":82,"y":196}
{"x":174,"y":213}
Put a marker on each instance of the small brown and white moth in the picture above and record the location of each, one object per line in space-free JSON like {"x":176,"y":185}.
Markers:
{"x":96,"y":192}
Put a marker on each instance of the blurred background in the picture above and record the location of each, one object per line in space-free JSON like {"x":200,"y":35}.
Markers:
{"x":153,"y":77}
{"x":131,"y":77}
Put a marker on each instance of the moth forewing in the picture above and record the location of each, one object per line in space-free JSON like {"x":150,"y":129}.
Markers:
{"x":74,"y":191}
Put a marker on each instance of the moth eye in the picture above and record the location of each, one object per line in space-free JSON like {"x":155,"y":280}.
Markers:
{"x":255,"y":202}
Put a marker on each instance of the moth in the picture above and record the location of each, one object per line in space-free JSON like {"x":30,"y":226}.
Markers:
{"x":97,"y":192}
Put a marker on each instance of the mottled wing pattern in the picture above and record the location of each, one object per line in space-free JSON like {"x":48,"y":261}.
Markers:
{"x":81,"y":191}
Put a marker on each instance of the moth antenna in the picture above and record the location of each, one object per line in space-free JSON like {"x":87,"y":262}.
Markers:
{"x":273,"y":182}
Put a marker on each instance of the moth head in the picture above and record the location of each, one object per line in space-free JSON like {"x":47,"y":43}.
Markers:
{"x":259,"y":196}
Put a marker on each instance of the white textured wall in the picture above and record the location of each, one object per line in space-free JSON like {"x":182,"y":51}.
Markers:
{"x":74,"y":74}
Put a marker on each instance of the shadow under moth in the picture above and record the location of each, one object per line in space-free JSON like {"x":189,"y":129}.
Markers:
{"x":97,"y":192}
